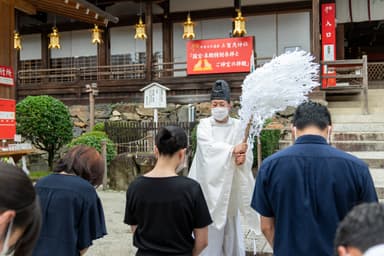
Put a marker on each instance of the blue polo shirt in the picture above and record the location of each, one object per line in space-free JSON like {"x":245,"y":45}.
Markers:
{"x":308,"y":188}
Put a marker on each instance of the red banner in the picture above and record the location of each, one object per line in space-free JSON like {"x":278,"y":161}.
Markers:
{"x":328,"y":40}
{"x":226,"y":55}
{"x":7,"y":118}
{"x":6,"y":76}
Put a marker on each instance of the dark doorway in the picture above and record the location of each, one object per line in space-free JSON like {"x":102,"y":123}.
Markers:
{"x":364,"y":38}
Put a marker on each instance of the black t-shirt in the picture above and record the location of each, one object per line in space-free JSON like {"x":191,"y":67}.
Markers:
{"x":165,"y":210}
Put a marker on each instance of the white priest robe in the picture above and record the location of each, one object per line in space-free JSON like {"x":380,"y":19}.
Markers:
{"x":227,"y":187}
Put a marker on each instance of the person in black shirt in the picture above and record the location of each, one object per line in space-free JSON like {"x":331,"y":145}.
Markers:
{"x":168,"y":213}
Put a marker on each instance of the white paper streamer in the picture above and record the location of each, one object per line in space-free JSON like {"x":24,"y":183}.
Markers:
{"x":284,"y":81}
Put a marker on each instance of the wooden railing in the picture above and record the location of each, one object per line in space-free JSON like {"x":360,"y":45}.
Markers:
{"x":111,"y":72}
{"x":73,"y":74}
{"x":351,"y":77}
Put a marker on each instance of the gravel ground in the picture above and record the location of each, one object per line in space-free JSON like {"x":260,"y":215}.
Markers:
{"x":118,"y":242}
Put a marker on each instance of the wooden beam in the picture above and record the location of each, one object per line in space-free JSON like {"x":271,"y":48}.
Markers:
{"x":7,"y":25}
{"x":25,"y":6}
{"x":316,"y":29}
{"x":246,"y":10}
{"x":149,"y":41}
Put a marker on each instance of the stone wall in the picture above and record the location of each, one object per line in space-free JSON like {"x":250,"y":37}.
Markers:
{"x":136,"y":112}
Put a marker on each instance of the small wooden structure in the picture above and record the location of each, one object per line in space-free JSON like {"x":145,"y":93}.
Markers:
{"x":351,"y":78}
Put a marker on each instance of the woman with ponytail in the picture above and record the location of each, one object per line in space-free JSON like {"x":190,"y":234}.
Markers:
{"x":167,"y":213}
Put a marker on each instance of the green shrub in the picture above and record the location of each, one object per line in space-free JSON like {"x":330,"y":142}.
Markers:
{"x":46,"y":122}
{"x":269,"y":140}
{"x":93,"y":139}
{"x":99,"y":127}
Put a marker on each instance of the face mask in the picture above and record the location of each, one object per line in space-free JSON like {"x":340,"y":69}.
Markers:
{"x":4,"y":251}
{"x":329,"y":135}
{"x":219,"y":113}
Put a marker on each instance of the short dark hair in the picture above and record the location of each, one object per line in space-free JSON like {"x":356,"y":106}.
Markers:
{"x":83,"y":161}
{"x":17,"y":193}
{"x":311,"y":114}
{"x":362,"y":227}
{"x":171,"y":139}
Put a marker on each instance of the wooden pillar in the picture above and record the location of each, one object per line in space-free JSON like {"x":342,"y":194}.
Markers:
{"x":167,"y":40}
{"x":149,"y":41}
{"x":7,"y":26}
{"x":103,"y":54}
{"x":340,"y":42}
{"x":316,"y":29}
{"x":317,"y":94}
{"x":45,"y":52}
{"x":103,"y":49}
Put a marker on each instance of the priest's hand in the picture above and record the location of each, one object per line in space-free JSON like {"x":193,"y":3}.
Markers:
{"x":240,"y":149}
{"x":240,"y":159}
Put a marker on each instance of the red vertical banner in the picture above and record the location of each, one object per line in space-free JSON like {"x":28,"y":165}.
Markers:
{"x":7,"y":119}
{"x":328,"y":40}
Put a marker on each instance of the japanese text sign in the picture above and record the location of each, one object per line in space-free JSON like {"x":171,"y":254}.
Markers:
{"x":7,"y":119}
{"x":6,"y":76}
{"x":328,"y":39}
{"x":155,"y":96}
{"x":225,"y":55}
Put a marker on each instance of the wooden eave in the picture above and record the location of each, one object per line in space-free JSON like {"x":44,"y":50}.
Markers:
{"x":80,"y":10}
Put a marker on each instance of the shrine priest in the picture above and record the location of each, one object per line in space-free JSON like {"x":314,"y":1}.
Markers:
{"x":222,"y":165}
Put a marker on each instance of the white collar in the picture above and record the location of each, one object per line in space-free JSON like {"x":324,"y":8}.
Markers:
{"x":377,"y":250}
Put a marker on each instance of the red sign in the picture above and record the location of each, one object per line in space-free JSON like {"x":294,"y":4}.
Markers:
{"x":226,"y":55}
{"x":7,"y":118}
{"x":328,"y":40}
{"x":6,"y":76}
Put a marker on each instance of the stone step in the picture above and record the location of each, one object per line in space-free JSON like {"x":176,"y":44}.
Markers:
{"x":378,"y":179}
{"x":375,"y":160}
{"x":346,"y":136}
{"x":372,"y":109}
{"x":358,"y":118}
{"x":358,"y":127}
{"x":366,"y":145}
{"x":347,"y":145}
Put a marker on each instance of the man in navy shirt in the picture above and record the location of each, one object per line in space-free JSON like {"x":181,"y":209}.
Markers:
{"x":304,"y":191}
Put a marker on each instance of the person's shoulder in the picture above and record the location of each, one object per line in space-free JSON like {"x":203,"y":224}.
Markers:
{"x":338,"y":153}
{"x":204,"y":121}
{"x":188,"y":181}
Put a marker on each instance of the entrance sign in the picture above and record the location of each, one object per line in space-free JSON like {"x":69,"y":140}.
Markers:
{"x":7,"y":119}
{"x":6,"y":76}
{"x":328,"y":40}
{"x":212,"y":56}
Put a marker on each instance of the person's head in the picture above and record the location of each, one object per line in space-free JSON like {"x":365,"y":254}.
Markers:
{"x":220,"y":101}
{"x":312,"y":118}
{"x":361,"y":229}
{"x":20,"y":216}
{"x":171,"y":142}
{"x":84,"y":162}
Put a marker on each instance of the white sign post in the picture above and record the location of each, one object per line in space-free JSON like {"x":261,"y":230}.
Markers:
{"x":155,"y":96}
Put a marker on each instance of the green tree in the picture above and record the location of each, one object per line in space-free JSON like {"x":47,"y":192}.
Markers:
{"x":46,"y":122}
{"x":93,"y":139}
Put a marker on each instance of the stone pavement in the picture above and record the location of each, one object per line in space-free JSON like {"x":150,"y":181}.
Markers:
{"x":118,"y":242}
